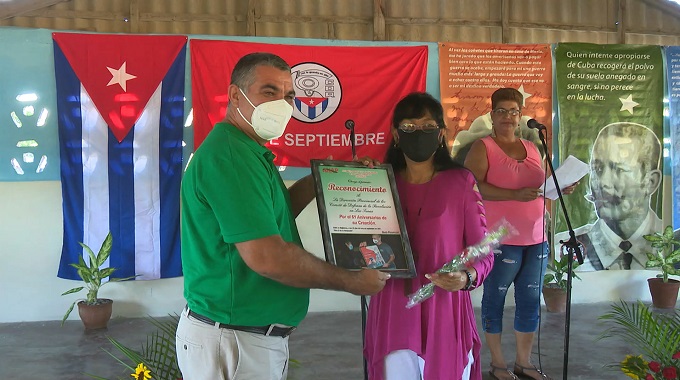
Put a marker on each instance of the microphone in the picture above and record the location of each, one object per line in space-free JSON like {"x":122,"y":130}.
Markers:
{"x":533,"y":124}
{"x":349,"y":124}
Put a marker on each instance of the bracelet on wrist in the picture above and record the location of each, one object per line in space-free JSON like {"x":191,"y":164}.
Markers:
{"x":471,"y":284}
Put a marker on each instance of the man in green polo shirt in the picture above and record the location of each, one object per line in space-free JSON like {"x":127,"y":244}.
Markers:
{"x":246,"y":275}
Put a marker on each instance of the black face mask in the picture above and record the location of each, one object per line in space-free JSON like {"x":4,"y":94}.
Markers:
{"x":418,"y":146}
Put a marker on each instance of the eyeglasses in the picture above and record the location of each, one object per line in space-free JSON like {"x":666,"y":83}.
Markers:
{"x":410,"y":128}
{"x":503,"y":112}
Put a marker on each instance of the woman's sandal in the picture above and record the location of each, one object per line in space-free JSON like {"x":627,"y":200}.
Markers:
{"x":521,"y":371}
{"x":493,"y":370}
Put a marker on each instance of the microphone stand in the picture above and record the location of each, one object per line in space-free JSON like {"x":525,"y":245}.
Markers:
{"x":572,"y":248}
{"x":354,"y":143}
{"x":364,"y":310}
{"x":349,"y":124}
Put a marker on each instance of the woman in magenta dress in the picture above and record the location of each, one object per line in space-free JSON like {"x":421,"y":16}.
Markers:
{"x":443,"y":211}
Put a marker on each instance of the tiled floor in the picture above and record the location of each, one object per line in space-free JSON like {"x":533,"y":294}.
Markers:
{"x":326,"y":345}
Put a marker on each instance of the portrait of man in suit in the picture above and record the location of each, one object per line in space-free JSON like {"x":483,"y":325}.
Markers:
{"x":624,"y":174}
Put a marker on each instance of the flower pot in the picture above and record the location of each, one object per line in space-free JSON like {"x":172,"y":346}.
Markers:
{"x":96,"y":316}
{"x":664,"y":294}
{"x":555,"y":299}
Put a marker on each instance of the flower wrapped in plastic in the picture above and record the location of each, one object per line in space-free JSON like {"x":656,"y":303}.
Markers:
{"x":465,"y":259}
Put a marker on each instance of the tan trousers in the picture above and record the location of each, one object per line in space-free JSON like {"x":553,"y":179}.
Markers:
{"x":208,"y":352}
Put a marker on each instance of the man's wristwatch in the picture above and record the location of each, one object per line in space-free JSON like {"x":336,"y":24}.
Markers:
{"x":471,"y":284}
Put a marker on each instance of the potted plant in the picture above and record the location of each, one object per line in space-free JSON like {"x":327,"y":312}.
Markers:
{"x":95,"y":312}
{"x":653,"y":337}
{"x":664,"y":291}
{"x":555,"y":284}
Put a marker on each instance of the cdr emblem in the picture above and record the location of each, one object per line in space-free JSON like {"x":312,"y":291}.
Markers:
{"x":317,"y":92}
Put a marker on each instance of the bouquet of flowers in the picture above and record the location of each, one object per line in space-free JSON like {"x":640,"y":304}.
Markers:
{"x":655,"y":335}
{"x":638,"y":368}
{"x":465,"y":259}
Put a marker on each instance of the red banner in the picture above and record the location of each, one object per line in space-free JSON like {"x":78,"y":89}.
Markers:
{"x":333,"y":84}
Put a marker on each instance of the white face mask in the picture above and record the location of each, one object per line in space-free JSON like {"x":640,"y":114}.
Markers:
{"x":269,"y":119}
{"x":375,"y":241}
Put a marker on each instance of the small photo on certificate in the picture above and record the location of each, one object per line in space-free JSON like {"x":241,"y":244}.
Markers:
{"x":376,"y":251}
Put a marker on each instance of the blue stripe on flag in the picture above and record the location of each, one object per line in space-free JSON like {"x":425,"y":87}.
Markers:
{"x":298,"y":104}
{"x":122,"y":204}
{"x":70,"y":146}
{"x":172,"y":116}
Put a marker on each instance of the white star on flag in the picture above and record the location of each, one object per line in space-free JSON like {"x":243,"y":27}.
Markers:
{"x":628,"y":104}
{"x":311,"y":101}
{"x":525,"y":95}
{"x":120,"y":76}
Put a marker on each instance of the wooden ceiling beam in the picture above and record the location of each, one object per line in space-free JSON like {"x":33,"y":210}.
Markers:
{"x":379,"y":31}
{"x":505,"y":21}
{"x":134,"y":16}
{"x":18,"y":8}
{"x":621,"y":24}
{"x":665,"y":6}
{"x":251,"y":27}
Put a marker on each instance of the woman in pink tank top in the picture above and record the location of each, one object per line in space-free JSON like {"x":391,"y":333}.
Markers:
{"x":510,"y":172}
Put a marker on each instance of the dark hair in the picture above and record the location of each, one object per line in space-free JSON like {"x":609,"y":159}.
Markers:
{"x":506,"y":94}
{"x":414,"y":106}
{"x":244,"y":70}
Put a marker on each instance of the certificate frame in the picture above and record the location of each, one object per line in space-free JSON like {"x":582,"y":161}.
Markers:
{"x":362,"y":222}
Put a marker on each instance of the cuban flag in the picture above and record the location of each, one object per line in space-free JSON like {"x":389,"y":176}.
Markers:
{"x":120,"y":103}
{"x":311,"y":107}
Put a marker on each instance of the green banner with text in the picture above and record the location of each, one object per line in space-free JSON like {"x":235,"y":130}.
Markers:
{"x":610,"y":107}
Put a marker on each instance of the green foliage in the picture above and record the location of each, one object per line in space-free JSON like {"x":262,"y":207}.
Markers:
{"x":664,"y":256}
{"x":92,"y":274}
{"x":558,"y":277}
{"x":654,"y":335}
{"x":157,"y":354}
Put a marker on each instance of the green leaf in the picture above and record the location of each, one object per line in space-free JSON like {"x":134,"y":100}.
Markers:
{"x":105,"y":250}
{"x":93,"y":258}
{"x":79,"y":266}
{"x":124,"y":278}
{"x":674,"y":257}
{"x":668,"y":233}
{"x":68,"y":312}
{"x":74,"y":290}
{"x":106,"y":272}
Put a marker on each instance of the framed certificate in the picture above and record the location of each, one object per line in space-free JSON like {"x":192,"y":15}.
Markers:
{"x":361,"y":217}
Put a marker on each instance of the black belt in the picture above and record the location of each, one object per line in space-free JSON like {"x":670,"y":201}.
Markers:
{"x":270,"y":330}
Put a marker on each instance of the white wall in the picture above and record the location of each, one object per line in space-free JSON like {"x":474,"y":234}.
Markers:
{"x":30,"y":246}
